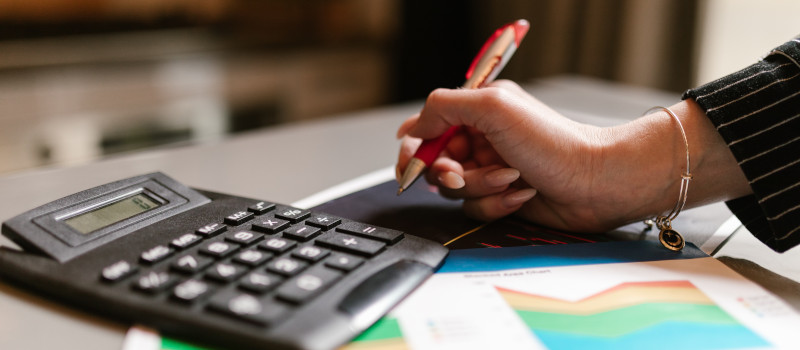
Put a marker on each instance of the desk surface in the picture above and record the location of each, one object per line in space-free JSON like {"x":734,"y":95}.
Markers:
{"x":288,"y":163}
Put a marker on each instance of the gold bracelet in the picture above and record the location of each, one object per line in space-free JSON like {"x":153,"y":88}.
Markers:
{"x":668,"y":237}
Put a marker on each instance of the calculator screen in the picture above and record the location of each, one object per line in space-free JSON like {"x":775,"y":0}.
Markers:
{"x":112,"y":213}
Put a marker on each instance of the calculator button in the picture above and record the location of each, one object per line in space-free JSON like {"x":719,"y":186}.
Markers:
{"x":310,"y":253}
{"x":343,"y":262}
{"x":118,"y":271}
{"x":243,"y":237}
{"x":270,"y":225}
{"x":351,"y":244}
{"x":286,"y":266}
{"x":191,"y":263}
{"x":224,"y":272}
{"x":185,"y":241}
{"x":219,"y":249}
{"x":156,"y":254}
{"x":252,"y":257}
{"x":378,"y":233}
{"x":191,"y":291}
{"x":260,"y":282}
{"x":307,"y":285}
{"x":153,"y":282}
{"x":247,"y":307}
{"x":277,"y":245}
{"x":239,"y":218}
{"x":325,"y":222}
{"x":261,"y":208}
{"x":211,"y":230}
{"x":292,"y":214}
{"x":301,"y":232}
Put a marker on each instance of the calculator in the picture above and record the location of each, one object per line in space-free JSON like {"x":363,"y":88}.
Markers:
{"x":216,"y":269}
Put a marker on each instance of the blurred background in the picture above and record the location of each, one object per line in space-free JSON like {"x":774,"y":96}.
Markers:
{"x":82,"y":79}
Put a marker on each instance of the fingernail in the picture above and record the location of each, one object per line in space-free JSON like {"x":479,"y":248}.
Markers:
{"x":402,"y":131}
{"x":397,"y":174}
{"x":519,"y":197}
{"x":501,"y":177}
{"x":452,"y":180}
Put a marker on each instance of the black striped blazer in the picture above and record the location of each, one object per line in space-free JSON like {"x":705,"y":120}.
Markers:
{"x":757,"y":112}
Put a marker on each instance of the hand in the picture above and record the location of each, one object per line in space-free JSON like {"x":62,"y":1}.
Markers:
{"x":516,"y":155}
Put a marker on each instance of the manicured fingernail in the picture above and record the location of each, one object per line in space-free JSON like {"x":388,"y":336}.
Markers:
{"x":501,"y":177}
{"x":452,"y":180}
{"x":519,"y":197}
{"x":402,"y":131}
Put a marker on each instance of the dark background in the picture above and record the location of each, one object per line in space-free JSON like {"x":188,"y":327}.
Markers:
{"x":110,"y":73}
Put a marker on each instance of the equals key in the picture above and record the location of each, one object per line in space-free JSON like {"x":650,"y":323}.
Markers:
{"x":378,"y":233}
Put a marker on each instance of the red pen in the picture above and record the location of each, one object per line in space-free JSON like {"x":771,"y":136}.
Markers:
{"x":493,"y":56}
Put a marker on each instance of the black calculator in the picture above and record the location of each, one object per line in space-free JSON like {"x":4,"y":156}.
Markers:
{"x":220,"y":270}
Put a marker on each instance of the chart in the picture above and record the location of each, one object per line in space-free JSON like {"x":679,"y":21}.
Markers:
{"x":615,"y":295}
{"x":383,"y":335}
{"x":633,"y":315}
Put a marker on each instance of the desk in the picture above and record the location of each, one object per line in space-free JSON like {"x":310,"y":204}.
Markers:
{"x":288,"y":163}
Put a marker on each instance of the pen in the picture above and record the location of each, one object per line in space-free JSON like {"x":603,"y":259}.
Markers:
{"x":490,"y":60}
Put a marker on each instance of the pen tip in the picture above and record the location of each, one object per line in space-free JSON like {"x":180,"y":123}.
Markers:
{"x":399,"y":191}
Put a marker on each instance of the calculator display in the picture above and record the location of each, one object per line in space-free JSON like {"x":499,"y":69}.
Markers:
{"x":110,"y":214}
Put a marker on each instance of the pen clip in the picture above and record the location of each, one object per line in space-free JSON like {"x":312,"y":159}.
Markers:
{"x":495,"y":53}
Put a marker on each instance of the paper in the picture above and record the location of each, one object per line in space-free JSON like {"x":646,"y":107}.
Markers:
{"x":613,"y":296}
{"x":607,"y":295}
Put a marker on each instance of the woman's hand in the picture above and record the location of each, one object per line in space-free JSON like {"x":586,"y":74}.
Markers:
{"x":516,"y":155}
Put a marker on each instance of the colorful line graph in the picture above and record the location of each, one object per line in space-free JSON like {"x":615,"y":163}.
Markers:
{"x":633,"y":315}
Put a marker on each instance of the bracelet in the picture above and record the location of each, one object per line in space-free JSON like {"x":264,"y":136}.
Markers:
{"x":668,"y":237}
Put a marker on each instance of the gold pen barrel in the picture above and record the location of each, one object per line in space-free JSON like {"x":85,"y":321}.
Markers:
{"x":414,"y":169}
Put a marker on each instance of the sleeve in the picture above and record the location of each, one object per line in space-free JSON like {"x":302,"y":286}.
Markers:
{"x":757,"y":112}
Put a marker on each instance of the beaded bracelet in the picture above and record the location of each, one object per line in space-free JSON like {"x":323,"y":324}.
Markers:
{"x":668,"y":237}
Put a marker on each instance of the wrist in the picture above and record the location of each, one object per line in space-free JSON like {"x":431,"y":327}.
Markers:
{"x":650,"y":158}
{"x":651,"y":155}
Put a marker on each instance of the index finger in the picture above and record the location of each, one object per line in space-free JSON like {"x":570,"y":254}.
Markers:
{"x":489,"y":110}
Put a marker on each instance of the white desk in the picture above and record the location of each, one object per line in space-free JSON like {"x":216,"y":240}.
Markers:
{"x":285,"y":164}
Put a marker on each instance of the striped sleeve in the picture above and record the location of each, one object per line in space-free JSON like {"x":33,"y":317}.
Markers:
{"x":757,"y":112}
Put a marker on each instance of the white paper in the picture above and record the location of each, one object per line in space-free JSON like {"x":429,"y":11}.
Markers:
{"x":468,"y":310}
